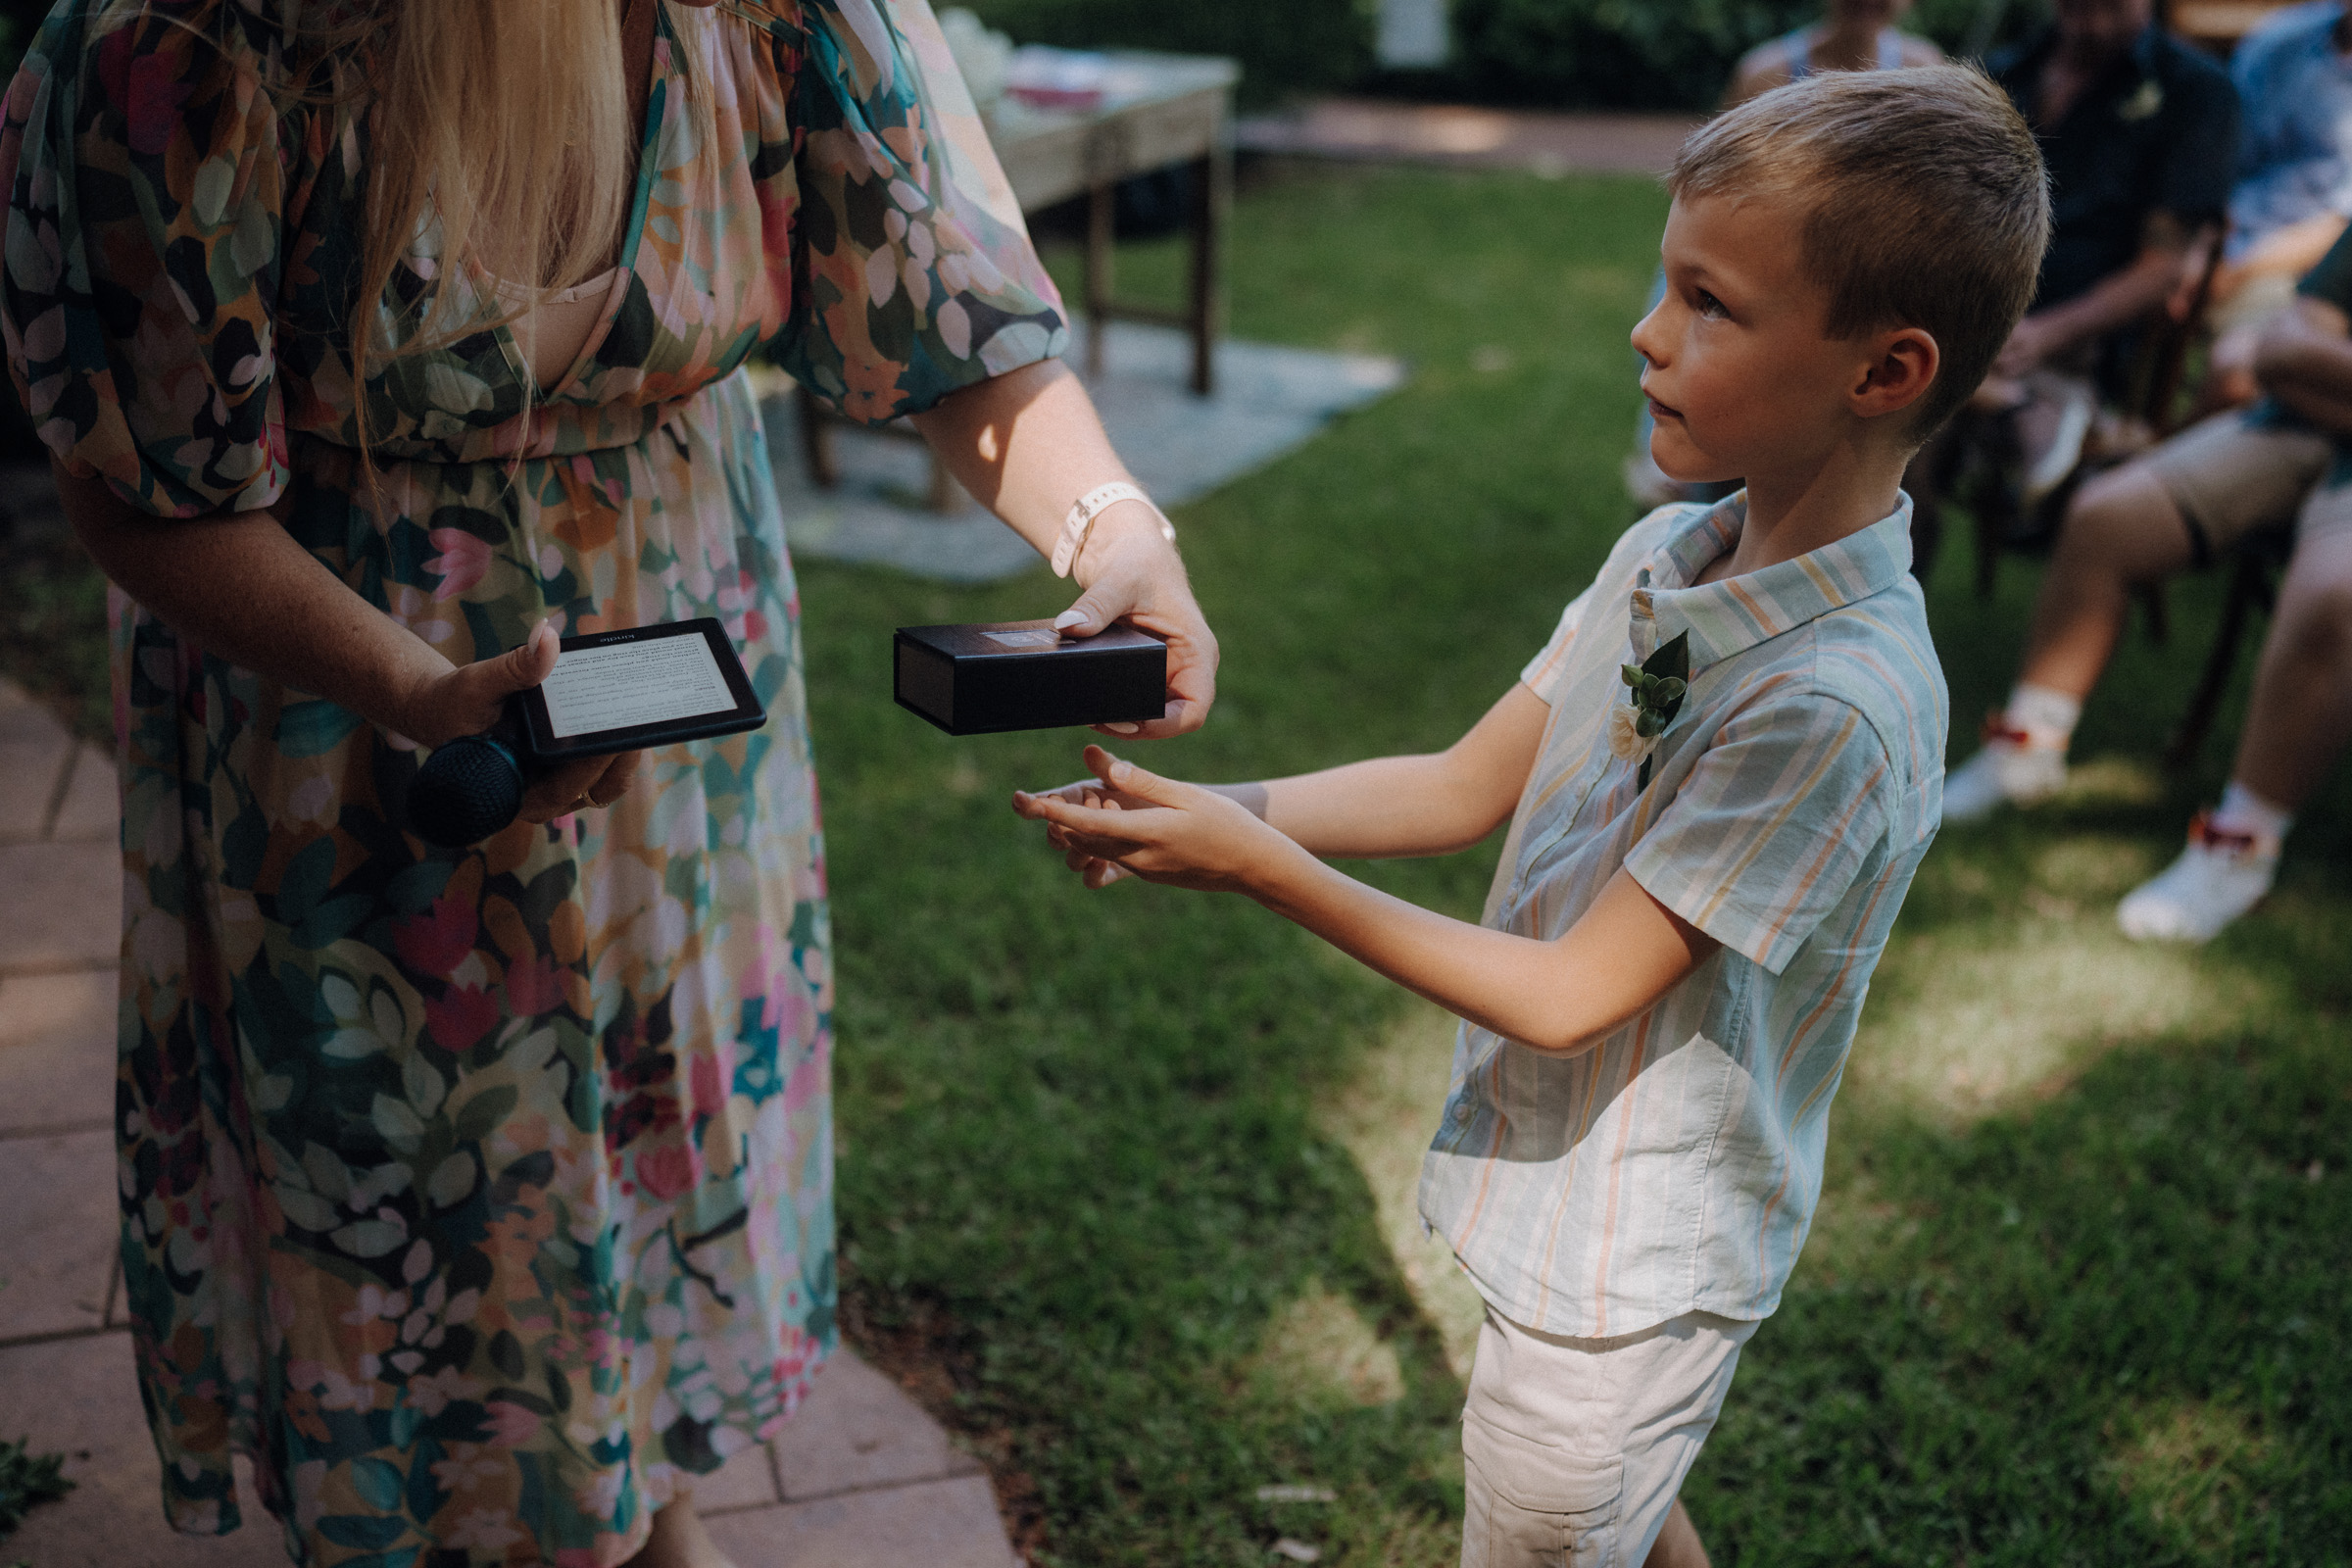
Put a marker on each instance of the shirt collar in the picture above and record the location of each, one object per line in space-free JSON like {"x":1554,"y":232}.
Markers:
{"x":1735,"y":613}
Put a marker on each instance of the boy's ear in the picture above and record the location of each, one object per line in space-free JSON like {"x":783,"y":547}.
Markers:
{"x":1902,"y":365}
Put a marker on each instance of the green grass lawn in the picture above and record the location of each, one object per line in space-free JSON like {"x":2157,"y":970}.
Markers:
{"x":1130,"y":1173}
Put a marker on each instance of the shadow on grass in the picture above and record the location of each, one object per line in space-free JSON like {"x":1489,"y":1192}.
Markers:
{"x":2111,"y":1329}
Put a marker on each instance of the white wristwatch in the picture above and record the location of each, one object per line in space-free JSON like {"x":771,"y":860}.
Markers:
{"x":1089,"y":507}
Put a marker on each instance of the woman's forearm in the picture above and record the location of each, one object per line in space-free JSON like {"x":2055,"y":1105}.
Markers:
{"x":240,"y":587}
{"x":1027,"y":445}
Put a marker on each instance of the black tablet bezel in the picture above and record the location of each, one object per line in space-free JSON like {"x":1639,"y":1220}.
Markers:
{"x":749,"y":712}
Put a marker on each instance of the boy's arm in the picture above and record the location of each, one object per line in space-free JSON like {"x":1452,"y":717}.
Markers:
{"x":1433,"y":803}
{"x":1386,"y":807}
{"x":1625,"y":953}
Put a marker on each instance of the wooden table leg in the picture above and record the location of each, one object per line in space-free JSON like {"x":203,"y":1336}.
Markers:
{"x":1102,"y":209}
{"x":946,"y":496}
{"x":1213,"y":193}
{"x":817,"y":439}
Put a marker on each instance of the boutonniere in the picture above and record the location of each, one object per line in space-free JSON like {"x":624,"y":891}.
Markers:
{"x":1655,"y":690}
{"x":2142,"y":104}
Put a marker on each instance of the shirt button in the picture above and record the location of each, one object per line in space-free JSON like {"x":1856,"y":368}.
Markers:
{"x":1461,"y":1111}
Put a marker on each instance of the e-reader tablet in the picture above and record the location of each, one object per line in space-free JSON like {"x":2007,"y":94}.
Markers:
{"x":617,"y":690}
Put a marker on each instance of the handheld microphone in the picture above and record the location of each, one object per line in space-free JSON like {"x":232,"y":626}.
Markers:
{"x":469,"y":788}
{"x":614,"y":691}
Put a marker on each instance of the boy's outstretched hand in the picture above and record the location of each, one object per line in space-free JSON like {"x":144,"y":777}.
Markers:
{"x":1126,"y":821}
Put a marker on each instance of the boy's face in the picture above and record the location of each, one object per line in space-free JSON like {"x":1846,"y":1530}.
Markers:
{"x":1739,"y":374}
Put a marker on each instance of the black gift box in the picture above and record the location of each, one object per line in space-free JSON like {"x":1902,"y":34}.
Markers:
{"x":1023,"y":674}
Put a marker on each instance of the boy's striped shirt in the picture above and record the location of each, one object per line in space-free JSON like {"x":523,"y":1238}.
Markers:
{"x":1674,"y":1166}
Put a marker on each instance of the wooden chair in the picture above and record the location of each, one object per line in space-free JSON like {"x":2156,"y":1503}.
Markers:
{"x":2257,"y":562}
{"x":2150,"y":409}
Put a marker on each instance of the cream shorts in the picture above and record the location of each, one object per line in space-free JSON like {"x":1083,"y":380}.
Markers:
{"x":1574,"y":1450}
{"x":2234,"y":474}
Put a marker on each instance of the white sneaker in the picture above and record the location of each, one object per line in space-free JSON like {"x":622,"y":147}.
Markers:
{"x":2077,"y":403}
{"x":2008,"y":768}
{"x":2219,"y":877}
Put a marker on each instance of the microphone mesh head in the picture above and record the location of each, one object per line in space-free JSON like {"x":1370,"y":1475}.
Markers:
{"x":465,"y":791}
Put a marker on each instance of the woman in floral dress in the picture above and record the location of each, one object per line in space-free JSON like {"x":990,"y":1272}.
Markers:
{"x":482,"y":1198}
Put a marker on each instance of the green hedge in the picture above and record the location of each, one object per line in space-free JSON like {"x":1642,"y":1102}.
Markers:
{"x":1650,"y":54}
{"x":1644,"y":54}
{"x":1286,"y":48}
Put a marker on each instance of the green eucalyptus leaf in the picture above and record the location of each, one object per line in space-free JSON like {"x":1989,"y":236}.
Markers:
{"x":1673,"y":659}
{"x":1671,"y":689}
{"x":1649,"y":725}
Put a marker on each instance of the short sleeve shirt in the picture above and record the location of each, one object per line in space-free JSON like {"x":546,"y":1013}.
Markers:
{"x":2296,"y":89}
{"x":1674,"y":1166}
{"x":2159,"y":132}
{"x":2331,"y":279}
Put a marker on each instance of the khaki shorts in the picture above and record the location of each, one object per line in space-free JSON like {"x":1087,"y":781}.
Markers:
{"x":2234,"y":474}
{"x":1573,"y":1449}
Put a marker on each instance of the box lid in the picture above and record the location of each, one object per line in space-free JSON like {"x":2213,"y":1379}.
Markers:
{"x":1023,"y":639}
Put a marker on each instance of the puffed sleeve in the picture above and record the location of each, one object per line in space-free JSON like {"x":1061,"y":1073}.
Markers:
{"x":912,"y":273}
{"x":141,"y":258}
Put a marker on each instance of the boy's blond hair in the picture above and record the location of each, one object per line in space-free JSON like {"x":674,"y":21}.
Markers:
{"x":1927,"y":204}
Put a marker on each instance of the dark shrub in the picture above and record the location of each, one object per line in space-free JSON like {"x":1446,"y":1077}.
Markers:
{"x":1295,"y":47}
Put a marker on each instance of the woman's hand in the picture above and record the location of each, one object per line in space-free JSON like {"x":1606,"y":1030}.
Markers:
{"x":1155,"y":828}
{"x":1131,"y":572}
{"x":1026,"y":444}
{"x":458,"y":699}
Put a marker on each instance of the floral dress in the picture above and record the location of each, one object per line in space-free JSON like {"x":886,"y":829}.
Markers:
{"x":477,"y":1194}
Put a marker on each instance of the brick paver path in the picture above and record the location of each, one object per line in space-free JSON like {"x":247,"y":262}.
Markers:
{"x":1470,"y":138}
{"x":862,"y":1478}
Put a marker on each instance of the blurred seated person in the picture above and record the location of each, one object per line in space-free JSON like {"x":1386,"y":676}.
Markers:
{"x":2140,"y":135}
{"x":1851,"y":35}
{"x":1854,"y":36}
{"x":2287,"y":458}
{"x":2295,"y":181}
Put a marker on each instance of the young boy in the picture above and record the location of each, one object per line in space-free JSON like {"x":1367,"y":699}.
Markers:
{"x":1698,"y":878}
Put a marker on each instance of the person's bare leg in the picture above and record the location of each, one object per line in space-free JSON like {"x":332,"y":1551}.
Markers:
{"x":1678,"y":1544}
{"x":2301,"y":718}
{"x":2121,"y":532}
{"x":679,"y":1541}
{"x":2299,"y":724}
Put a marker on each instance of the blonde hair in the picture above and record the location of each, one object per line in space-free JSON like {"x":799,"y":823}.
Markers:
{"x":1926,"y":204}
{"x":499,"y":136}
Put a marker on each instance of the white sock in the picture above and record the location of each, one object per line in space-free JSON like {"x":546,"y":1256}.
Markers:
{"x":2244,"y":811}
{"x":2046,"y":717}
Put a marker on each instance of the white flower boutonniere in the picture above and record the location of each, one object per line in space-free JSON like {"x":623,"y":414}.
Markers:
{"x":1657,"y":688}
{"x":1627,"y":743}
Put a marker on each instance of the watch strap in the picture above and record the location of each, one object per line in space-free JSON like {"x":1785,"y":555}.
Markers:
{"x":1081,"y":522}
